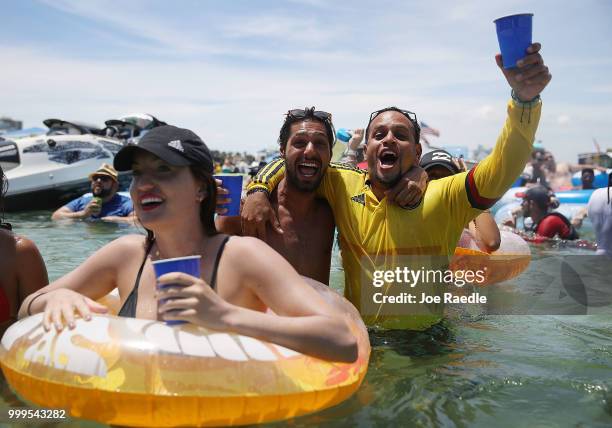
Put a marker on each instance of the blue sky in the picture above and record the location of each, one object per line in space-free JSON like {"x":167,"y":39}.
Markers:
{"x":230,"y":69}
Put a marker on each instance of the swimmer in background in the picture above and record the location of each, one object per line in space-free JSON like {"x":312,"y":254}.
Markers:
{"x":104,"y":203}
{"x":440,"y":164}
{"x":22,"y":268}
{"x":537,"y":204}
{"x":174,"y":196}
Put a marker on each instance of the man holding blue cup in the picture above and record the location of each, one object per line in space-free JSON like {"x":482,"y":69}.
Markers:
{"x":375,"y":235}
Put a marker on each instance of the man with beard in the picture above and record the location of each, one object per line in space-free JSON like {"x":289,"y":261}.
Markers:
{"x":305,"y":143}
{"x":104,"y":203}
{"x":302,"y":224}
{"x":377,"y":237}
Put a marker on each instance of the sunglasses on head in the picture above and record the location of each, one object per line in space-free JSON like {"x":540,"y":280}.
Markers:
{"x":410,"y":115}
{"x":104,"y":178}
{"x":302,"y":114}
{"x":309,"y":112}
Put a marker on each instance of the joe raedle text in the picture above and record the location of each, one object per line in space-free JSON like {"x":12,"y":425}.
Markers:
{"x":387,"y":285}
{"x":409,"y":298}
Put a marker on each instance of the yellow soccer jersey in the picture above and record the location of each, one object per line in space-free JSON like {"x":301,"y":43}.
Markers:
{"x":377,"y":235}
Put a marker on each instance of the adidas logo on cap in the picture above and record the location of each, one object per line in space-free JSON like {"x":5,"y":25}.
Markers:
{"x":176,"y":144}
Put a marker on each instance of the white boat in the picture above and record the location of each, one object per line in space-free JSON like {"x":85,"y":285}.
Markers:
{"x":132,"y":127}
{"x":48,"y":171}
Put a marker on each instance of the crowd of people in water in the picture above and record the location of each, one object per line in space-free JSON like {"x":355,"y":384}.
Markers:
{"x":403,"y":203}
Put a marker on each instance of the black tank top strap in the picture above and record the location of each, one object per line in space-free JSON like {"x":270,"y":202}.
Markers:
{"x":129,"y":307}
{"x":213,"y":280}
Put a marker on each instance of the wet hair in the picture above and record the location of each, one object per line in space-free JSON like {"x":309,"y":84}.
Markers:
{"x":209,"y":203}
{"x":307,"y":114}
{"x":416,"y":128}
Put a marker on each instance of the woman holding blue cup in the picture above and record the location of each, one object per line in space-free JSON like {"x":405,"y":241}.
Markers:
{"x":174,"y":195}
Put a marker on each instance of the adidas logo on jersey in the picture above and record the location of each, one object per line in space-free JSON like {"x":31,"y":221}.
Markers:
{"x":176,"y":144}
{"x":360,"y":199}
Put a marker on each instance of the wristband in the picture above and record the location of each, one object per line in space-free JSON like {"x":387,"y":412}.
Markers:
{"x":522,"y":103}
{"x":257,"y":189}
{"x":31,"y":301}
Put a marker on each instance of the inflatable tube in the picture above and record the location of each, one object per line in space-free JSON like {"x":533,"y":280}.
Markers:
{"x":112,"y":301}
{"x":601,"y":179}
{"x":574,"y":196}
{"x":134,"y":372}
{"x":509,"y":261}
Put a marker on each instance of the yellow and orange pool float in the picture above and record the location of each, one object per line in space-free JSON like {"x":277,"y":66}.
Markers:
{"x":509,"y":261}
{"x":135,"y":372}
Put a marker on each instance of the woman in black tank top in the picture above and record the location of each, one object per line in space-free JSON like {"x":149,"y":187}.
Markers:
{"x":174,"y":196}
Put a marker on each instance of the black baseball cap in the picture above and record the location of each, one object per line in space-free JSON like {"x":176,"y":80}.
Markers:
{"x":438,"y":158}
{"x":177,"y":146}
{"x":539,"y":194}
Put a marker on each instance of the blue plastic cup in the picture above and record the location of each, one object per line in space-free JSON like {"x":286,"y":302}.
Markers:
{"x":189,"y":265}
{"x":343,"y":135}
{"x":233,"y":183}
{"x":514,"y":36}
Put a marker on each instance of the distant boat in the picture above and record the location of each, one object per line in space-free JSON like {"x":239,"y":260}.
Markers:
{"x":21,"y":133}
{"x":47,"y":171}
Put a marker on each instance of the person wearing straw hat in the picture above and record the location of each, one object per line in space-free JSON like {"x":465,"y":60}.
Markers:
{"x":104,"y":203}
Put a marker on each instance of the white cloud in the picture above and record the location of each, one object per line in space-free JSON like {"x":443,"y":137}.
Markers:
{"x":485,"y":112}
{"x":233,"y":75}
{"x":563,"y":119}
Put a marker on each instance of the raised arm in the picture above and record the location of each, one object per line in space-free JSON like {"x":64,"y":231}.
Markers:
{"x":491,"y":178}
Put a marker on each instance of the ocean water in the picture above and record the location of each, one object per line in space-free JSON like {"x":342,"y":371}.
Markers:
{"x":543,"y":361}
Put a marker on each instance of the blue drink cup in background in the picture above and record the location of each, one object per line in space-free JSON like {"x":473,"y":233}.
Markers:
{"x":233,"y":183}
{"x":514,"y":36}
{"x":189,"y":265}
{"x":343,"y":135}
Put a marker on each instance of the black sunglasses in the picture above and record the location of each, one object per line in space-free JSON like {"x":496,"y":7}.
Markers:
{"x":104,"y":178}
{"x":299,"y":113}
{"x":410,"y":115}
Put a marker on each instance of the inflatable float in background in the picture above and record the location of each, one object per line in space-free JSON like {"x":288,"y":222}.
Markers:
{"x":509,"y":261}
{"x":134,"y":372}
{"x":601,"y":179}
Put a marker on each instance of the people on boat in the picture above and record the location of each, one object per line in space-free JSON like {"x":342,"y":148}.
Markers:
{"x":174,"y":196}
{"x":104,"y":202}
{"x":374,"y":233}
{"x":440,"y":164}
{"x":22,"y":268}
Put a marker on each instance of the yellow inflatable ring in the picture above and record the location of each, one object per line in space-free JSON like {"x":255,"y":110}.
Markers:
{"x":135,"y":372}
{"x":509,"y":261}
